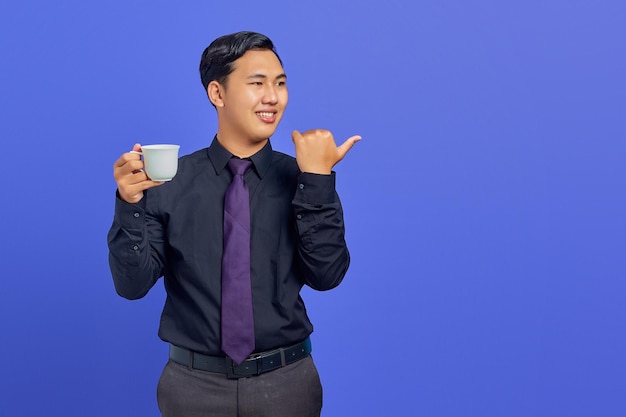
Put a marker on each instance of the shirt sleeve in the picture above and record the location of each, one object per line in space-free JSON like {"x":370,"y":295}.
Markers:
{"x":323,"y":253}
{"x":136,"y":247}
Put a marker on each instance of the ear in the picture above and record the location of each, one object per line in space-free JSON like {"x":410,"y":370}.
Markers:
{"x":214,"y":91}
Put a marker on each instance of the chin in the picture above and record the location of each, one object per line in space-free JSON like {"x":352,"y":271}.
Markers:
{"x":266,"y":134}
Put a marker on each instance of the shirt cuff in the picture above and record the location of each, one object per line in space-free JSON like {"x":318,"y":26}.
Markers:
{"x":128,"y":215}
{"x":316,"y":188}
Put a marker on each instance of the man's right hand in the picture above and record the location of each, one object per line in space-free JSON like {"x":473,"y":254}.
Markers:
{"x":130,"y":178}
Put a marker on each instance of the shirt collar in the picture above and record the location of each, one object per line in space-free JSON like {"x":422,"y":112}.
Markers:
{"x":219,"y":157}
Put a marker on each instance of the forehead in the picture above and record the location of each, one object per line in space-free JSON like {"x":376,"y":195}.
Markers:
{"x":263,"y":62}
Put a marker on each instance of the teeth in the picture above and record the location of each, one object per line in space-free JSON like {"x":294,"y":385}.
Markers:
{"x":265,"y":114}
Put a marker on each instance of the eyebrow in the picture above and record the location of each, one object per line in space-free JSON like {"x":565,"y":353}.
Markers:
{"x":263,"y":76}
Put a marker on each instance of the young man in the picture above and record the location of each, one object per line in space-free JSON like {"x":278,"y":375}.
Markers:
{"x":239,"y":341}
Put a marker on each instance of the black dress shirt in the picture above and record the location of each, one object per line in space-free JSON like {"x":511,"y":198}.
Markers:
{"x":175,"y":231}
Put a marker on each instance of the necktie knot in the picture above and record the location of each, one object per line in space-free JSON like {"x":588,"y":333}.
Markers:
{"x":239,"y":166}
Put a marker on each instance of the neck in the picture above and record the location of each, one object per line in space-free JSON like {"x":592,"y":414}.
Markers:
{"x":238,"y":146}
{"x":241,"y":150}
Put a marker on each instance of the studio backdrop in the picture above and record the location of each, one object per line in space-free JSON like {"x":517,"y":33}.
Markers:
{"x":485,"y":206}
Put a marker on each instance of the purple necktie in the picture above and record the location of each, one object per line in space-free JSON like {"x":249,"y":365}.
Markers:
{"x":237,"y":321}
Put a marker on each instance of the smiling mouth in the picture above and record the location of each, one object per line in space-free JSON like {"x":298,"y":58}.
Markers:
{"x":266,"y":116}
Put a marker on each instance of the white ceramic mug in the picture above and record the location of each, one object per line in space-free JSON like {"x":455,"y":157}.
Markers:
{"x":160,"y":161}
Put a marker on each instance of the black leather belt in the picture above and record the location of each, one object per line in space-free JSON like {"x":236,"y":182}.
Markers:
{"x":256,"y":364}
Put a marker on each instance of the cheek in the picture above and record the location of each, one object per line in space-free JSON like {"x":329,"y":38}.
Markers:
{"x":246,"y":99}
{"x":254,"y":95}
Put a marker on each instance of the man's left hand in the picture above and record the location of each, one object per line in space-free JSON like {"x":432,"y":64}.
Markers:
{"x":316,"y":151}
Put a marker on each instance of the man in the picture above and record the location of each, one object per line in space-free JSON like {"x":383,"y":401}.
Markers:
{"x":246,"y":354}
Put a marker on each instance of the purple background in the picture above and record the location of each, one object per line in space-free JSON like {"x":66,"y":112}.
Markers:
{"x":485,"y":205}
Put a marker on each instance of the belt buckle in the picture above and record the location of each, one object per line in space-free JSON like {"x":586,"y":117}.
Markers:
{"x":247,"y":368}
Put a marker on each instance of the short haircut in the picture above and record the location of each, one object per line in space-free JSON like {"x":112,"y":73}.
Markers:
{"x":217,"y":59}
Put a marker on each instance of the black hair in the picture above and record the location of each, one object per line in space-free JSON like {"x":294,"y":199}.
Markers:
{"x":217,"y":59}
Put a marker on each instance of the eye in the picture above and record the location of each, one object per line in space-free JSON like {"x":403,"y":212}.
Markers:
{"x":281,"y":83}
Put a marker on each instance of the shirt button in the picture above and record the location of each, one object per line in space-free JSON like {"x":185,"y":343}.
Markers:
{"x":135,"y":247}
{"x":136,"y":215}
{"x":299,"y":216}
{"x":301,"y":186}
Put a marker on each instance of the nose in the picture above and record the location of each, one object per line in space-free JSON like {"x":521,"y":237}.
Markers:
{"x":270,"y":96}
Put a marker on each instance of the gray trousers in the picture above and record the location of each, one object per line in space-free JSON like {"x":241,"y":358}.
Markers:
{"x":292,"y":391}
